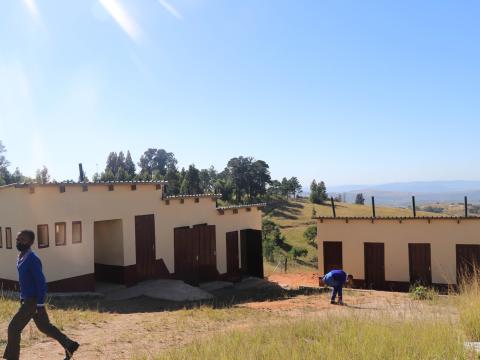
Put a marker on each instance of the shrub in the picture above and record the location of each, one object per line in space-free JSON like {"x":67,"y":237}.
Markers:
{"x":298,"y":252}
{"x":420,"y":292}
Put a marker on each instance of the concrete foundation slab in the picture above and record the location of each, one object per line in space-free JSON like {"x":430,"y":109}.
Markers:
{"x":163,"y":289}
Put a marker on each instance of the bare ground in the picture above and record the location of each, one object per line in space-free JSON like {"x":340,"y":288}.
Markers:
{"x":143,"y":327}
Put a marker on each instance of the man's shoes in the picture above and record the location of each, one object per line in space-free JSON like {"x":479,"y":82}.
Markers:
{"x":333,"y":302}
{"x":340,"y":302}
{"x":71,"y":349}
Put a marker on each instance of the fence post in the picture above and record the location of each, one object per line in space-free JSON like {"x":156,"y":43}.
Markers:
{"x":285,"y":266}
{"x":466,"y":207}
{"x":414,"y":207}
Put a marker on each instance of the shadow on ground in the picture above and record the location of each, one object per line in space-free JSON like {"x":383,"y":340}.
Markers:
{"x":223,"y":298}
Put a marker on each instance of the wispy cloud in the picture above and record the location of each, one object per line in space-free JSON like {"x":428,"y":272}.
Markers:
{"x":123,"y":19}
{"x":32,"y":8}
{"x":170,"y":8}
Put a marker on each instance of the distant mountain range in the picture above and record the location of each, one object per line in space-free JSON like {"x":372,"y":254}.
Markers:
{"x":399,"y":194}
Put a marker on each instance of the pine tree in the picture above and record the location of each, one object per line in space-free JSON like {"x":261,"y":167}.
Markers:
{"x":130,"y":166}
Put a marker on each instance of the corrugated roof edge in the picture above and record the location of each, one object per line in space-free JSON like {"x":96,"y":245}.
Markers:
{"x":241,"y":206}
{"x":396,"y":218}
{"x":89,"y":183}
{"x":188,"y":196}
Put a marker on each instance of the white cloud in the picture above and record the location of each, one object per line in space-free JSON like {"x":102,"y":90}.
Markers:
{"x":170,"y":8}
{"x":32,"y":8}
{"x":123,"y":19}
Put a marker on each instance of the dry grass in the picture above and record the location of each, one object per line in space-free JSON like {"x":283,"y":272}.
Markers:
{"x":355,"y":337}
{"x":468,"y":303}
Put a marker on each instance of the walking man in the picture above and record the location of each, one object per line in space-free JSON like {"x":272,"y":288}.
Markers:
{"x":33,"y":289}
{"x":337,"y":279}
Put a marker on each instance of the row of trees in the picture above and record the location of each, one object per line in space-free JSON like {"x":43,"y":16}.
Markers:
{"x":7,"y":177}
{"x":243,"y":178}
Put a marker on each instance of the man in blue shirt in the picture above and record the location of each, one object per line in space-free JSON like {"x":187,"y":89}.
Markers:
{"x":337,"y":279}
{"x":33,"y":289}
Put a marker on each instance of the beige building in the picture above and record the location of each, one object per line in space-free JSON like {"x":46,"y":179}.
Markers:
{"x":392,"y":253}
{"x":126,"y":232}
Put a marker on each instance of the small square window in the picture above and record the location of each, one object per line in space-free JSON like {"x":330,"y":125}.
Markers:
{"x":62,"y":188}
{"x":110,"y":187}
{"x":182,"y":201}
{"x":158,"y":187}
{"x":235,"y":211}
{"x":76,"y":232}
{"x":221,"y":212}
{"x":249,"y":209}
{"x":42,"y":235}
{"x":84,"y":188}
{"x":167,"y":202}
{"x":8,"y":238}
{"x":197,"y":200}
{"x":60,"y":233}
{"x":133,"y":187}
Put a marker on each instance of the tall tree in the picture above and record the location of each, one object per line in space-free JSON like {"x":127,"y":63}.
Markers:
{"x":191,"y":182}
{"x":4,"y":173}
{"x":130,"y":166}
{"x":294,"y":186}
{"x":173,"y":181}
{"x":207,"y":180}
{"x":360,"y":199}
{"x":42,"y":176}
{"x":314,"y":198}
{"x":322,"y":191}
{"x":156,"y":159}
{"x":112,"y":163}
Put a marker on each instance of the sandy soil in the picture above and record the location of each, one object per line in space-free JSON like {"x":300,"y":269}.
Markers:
{"x":295,"y":280}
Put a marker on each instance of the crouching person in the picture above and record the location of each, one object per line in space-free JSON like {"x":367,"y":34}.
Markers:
{"x":32,"y":295}
{"x":337,"y":279}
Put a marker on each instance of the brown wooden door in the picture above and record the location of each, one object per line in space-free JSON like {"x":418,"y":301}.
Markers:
{"x":145,"y":246}
{"x":207,"y":252}
{"x":233,"y":268}
{"x":420,"y":264}
{"x":468,"y":260}
{"x":185,"y":253}
{"x":332,"y":256}
{"x":195,"y":254}
{"x":374,"y":254}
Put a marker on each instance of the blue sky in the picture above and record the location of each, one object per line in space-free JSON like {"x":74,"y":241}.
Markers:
{"x":344,"y":91}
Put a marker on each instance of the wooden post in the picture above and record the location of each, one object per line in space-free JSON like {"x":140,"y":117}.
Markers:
{"x":466,"y":207}
{"x":82,"y":174}
{"x":333,"y":207}
{"x":373,"y":206}
{"x":285,"y":266}
{"x":414,"y":207}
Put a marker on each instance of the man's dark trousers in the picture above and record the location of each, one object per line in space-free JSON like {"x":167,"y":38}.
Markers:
{"x":28,"y":311}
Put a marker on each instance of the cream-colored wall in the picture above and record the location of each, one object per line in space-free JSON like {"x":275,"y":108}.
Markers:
{"x":19,"y":209}
{"x":108,"y":242}
{"x":442,"y":235}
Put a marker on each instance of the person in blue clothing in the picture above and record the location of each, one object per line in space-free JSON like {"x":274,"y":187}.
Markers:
{"x":33,"y":289}
{"x":337,"y":279}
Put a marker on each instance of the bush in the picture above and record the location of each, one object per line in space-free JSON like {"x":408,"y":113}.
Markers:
{"x":298,"y":252}
{"x":420,"y":292}
{"x":310,"y":234}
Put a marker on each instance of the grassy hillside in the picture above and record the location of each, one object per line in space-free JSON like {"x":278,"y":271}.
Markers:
{"x":295,"y":216}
